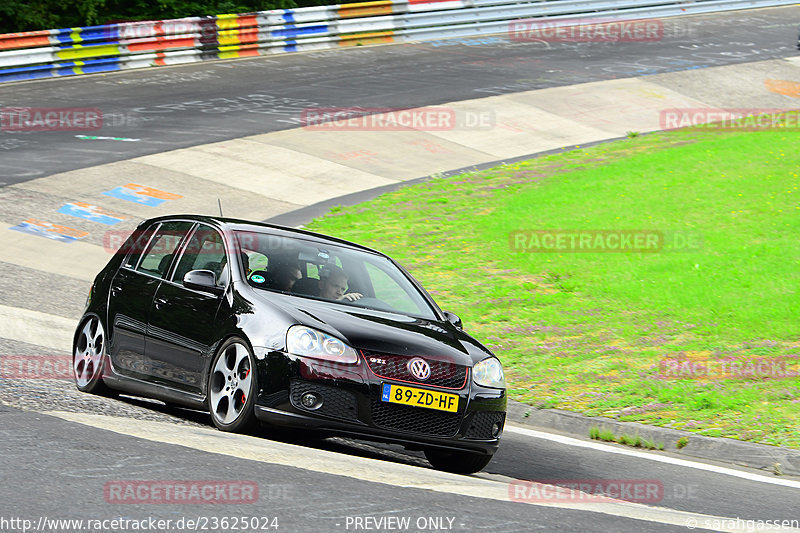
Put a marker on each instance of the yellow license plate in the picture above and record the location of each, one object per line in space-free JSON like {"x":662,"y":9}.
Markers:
{"x":441,"y":401}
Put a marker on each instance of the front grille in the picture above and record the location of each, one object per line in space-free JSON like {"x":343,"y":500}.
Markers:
{"x":415,"y":419}
{"x":482,"y":422}
{"x":443,"y":374}
{"x":336,"y":403}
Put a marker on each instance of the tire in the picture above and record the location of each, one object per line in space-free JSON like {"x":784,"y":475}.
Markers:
{"x":457,"y":462}
{"x":89,"y":357}
{"x":231,"y":387}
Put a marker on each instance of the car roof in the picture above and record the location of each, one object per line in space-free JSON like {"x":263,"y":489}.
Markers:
{"x":236,"y":224}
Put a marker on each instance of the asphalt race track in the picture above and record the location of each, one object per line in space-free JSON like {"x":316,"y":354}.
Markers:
{"x":168,"y":108}
{"x":64,"y":452}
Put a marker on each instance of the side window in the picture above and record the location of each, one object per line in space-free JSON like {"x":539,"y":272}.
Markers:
{"x":204,"y":251}
{"x":389,"y":291}
{"x":255,"y":261}
{"x":157,"y":258}
{"x":136,"y":244}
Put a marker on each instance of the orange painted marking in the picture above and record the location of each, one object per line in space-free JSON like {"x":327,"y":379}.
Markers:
{"x":55,"y":228}
{"x":24,"y":40}
{"x":365,"y":9}
{"x":99,"y":210}
{"x":246,"y":21}
{"x":784,"y":87}
{"x":161,"y":43}
{"x":155,"y":193}
{"x":367,"y":38}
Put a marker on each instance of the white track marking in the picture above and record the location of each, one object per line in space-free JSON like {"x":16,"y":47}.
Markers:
{"x":372,"y":470}
{"x":569,"y":441}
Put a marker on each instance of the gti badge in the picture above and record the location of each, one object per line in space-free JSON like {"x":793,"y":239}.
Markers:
{"x":419,"y":368}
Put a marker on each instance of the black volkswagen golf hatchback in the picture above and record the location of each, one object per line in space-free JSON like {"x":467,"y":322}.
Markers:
{"x":255,"y":322}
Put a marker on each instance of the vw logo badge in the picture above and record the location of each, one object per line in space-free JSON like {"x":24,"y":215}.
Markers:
{"x":419,"y":368}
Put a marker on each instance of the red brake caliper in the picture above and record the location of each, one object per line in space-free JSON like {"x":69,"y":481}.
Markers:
{"x":245,"y":377}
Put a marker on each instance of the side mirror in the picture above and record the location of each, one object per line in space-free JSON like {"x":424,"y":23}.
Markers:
{"x":202,"y":280}
{"x":453,"y":319}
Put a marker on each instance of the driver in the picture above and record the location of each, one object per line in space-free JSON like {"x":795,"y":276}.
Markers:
{"x":333,"y":285}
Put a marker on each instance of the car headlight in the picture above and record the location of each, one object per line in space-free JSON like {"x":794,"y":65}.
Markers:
{"x":489,"y":373}
{"x":308,"y":342}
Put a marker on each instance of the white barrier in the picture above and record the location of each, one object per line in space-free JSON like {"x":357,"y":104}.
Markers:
{"x":48,"y":53}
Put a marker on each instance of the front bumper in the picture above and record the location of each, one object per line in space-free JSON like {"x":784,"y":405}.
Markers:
{"x":351,"y":406}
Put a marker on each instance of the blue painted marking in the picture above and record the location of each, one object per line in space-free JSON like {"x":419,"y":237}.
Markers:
{"x":387,"y":389}
{"x":40,"y":231}
{"x":131,"y":195}
{"x":33,"y":68}
{"x":87,"y":33}
{"x":293,"y":31}
{"x":64,"y":35}
{"x":108,"y":67}
{"x":86,"y":62}
{"x":26,"y":73}
{"x":91,"y":65}
{"x":89,"y":212}
{"x":97,"y":33}
{"x":84,"y":46}
{"x":111,"y":32}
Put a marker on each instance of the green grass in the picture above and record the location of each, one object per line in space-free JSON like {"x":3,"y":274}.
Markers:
{"x":636,"y":441}
{"x":591,"y":332}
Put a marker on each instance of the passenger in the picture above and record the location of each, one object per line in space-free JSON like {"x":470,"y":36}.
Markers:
{"x":333,"y":285}
{"x":284,"y":276}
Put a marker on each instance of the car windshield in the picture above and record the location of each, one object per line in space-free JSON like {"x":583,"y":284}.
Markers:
{"x":328,"y":272}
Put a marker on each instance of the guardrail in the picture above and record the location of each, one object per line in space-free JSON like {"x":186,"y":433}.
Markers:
{"x":91,"y":49}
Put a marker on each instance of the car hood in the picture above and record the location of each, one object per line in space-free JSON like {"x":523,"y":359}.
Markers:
{"x":380,"y":332}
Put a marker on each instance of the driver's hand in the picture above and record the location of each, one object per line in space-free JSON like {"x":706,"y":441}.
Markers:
{"x":352,"y":297}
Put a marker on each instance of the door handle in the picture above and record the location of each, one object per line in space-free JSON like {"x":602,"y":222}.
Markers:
{"x":159,"y":302}
{"x":115,"y":289}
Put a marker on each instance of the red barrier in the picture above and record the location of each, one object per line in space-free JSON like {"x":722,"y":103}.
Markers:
{"x":28,"y":39}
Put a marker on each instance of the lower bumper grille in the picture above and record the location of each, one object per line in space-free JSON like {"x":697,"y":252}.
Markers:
{"x":415,"y":419}
{"x":336,"y":403}
{"x":482,"y":423}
